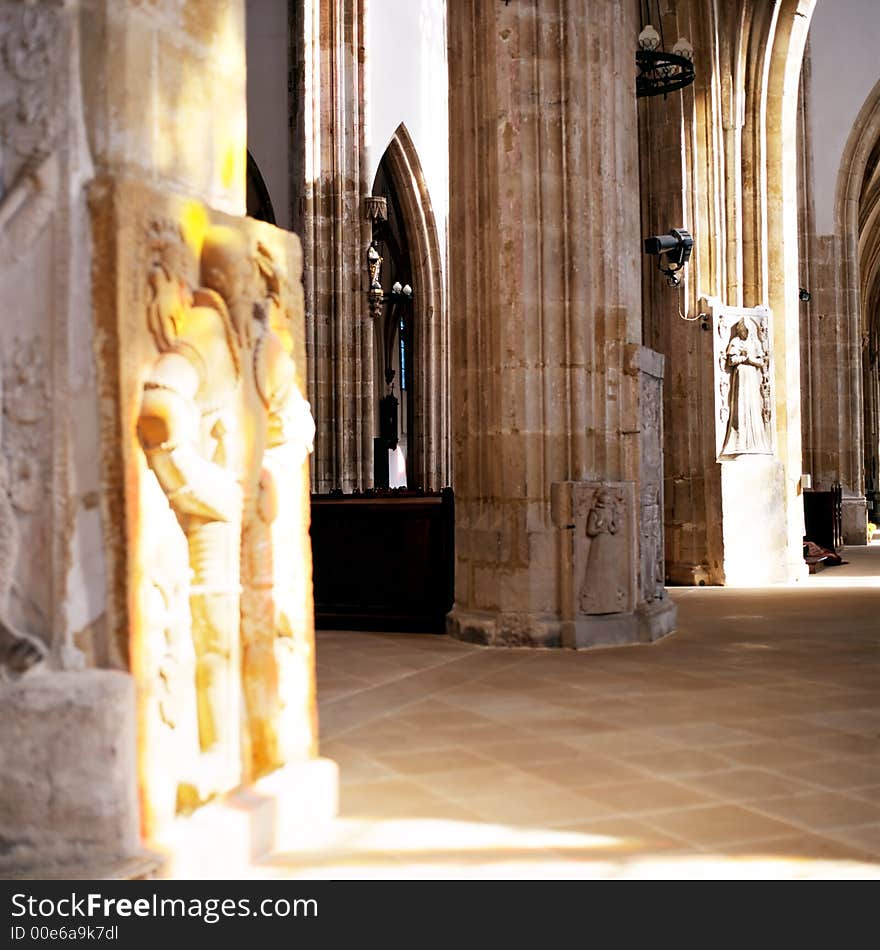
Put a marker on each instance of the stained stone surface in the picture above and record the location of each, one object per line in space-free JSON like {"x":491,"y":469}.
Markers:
{"x":67,"y":760}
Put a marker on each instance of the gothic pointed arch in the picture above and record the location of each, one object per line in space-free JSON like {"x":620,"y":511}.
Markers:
{"x":428,"y":449}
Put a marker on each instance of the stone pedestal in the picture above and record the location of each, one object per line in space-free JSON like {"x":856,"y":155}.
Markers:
{"x":226,"y":837}
{"x":752,"y":491}
{"x":68,"y":794}
{"x":854,"y":519}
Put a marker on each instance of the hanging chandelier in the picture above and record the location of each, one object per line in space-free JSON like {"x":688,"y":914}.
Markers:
{"x":660,"y":72}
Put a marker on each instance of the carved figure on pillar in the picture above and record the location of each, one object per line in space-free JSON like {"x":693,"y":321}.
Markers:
{"x":600,"y":592}
{"x":19,"y":651}
{"x":190,"y":427}
{"x":221,"y":394}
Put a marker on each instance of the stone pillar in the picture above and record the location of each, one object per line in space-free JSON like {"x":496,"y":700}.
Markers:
{"x":555,"y":487}
{"x":68,"y":793}
{"x":206,"y":435}
{"x":155,"y":515}
{"x":327,"y":146}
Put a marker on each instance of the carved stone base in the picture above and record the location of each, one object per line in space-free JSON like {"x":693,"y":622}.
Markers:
{"x":647,"y":624}
{"x":67,"y":759}
{"x":656,"y":620}
{"x":226,"y":836}
{"x":854,"y":518}
{"x":494,"y":629}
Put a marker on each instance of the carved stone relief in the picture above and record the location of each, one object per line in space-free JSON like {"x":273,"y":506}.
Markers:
{"x":31,"y":120}
{"x":207,"y":311}
{"x":651,"y":484}
{"x":19,"y":652}
{"x":743,"y":381}
{"x":604,"y":514}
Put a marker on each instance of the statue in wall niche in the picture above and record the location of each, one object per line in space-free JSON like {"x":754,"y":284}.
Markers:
{"x":747,"y":364}
{"x":219,"y":397}
{"x":601,"y":592}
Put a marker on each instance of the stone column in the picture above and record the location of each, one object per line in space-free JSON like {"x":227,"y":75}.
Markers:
{"x":117,"y":462}
{"x":549,"y":389}
{"x":327,"y":145}
{"x":68,"y":794}
{"x":202,"y":364}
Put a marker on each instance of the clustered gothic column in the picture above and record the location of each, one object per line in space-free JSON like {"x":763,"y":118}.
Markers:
{"x":327,"y":141}
{"x":555,"y":405}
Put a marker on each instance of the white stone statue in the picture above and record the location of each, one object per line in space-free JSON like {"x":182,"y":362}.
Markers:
{"x":746,"y":361}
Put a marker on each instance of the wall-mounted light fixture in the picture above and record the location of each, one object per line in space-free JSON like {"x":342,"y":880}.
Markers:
{"x":673,"y":250}
{"x":660,"y":72}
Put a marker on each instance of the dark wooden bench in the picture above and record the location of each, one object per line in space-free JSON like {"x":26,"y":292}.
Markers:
{"x":383,"y":560}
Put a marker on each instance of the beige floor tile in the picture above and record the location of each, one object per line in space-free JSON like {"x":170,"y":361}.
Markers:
{"x":720,"y":825}
{"x":678,"y":762}
{"x":749,"y":784}
{"x":528,"y":751}
{"x":863,"y":838}
{"x":397,"y":798}
{"x":539,"y":806}
{"x":641,"y":797}
{"x":844,"y":773}
{"x":620,"y":744}
{"x":870,"y":794}
{"x":440,"y":760}
{"x":583,"y":771}
{"x":562,"y":727}
{"x":783,"y":727}
{"x":702,"y":735}
{"x":819,"y":811}
{"x":769,"y":755}
{"x":461,"y":786}
{"x":843,"y":743}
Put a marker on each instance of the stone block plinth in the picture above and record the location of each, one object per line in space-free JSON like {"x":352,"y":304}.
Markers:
{"x":229,"y":835}
{"x":68,"y":793}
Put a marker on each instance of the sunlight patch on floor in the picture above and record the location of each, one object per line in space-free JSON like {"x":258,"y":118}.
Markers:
{"x":425,"y":848}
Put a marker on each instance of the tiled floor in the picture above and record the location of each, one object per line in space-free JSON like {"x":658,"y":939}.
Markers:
{"x":746,"y":745}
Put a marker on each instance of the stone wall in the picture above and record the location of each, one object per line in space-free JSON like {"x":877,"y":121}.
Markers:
{"x":718,"y":159}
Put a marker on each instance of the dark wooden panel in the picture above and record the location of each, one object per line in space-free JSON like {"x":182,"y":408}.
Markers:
{"x":823,"y":518}
{"x":383,"y":560}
